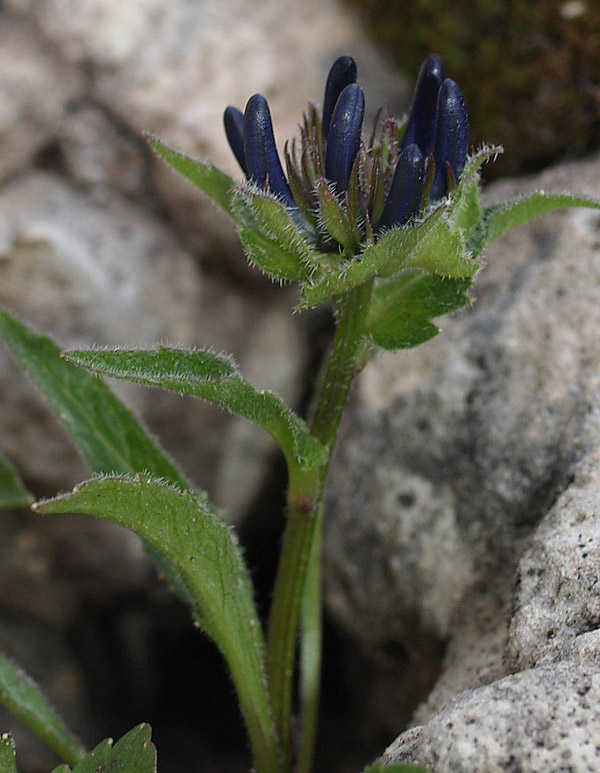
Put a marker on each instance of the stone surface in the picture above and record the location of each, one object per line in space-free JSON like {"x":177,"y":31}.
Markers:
{"x":172,"y":68}
{"x":96,"y":151}
{"x":97,"y":269}
{"x":35,"y":91}
{"x":464,"y":505}
{"x":557,"y":596}
{"x":84,"y":271}
{"x":543,"y":719}
{"x":101,"y":243}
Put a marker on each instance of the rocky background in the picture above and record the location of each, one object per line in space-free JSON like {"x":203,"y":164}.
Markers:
{"x":462,"y":543}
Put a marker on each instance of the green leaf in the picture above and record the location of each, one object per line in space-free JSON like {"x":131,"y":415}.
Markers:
{"x":133,"y":753}
{"x":402,"y":308}
{"x":110,"y":438}
{"x":108,"y":435}
{"x":272,"y":239}
{"x":23,"y":698}
{"x":465,"y":209}
{"x":279,"y":250}
{"x":13,"y":494}
{"x":8,"y":763}
{"x":278,"y":223}
{"x":216,"y":379}
{"x":215,"y":183}
{"x":335,"y":220}
{"x":205,"y":552}
{"x":435,"y":245}
{"x":268,"y":256}
{"x":500,"y":218}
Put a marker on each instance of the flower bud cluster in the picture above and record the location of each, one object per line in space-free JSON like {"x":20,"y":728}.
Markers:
{"x":344,"y":189}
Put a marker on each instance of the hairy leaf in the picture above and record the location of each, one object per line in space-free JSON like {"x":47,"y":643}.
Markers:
{"x":268,"y":256}
{"x":435,"y":246}
{"x":108,"y":435}
{"x":216,"y":379}
{"x":215,"y":183}
{"x":13,"y":494}
{"x":7,"y":754}
{"x":272,"y":239}
{"x":133,"y":753}
{"x":336,"y":220}
{"x":402,"y":308}
{"x":23,"y":698}
{"x":278,"y":222}
{"x":500,"y":218}
{"x":110,"y":438}
{"x":205,"y":552}
{"x":465,"y":208}
{"x":263,"y":248}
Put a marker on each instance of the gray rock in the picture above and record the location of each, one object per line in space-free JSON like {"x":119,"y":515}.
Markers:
{"x":97,"y":152}
{"x":84,"y":271}
{"x":91,"y":268}
{"x":35,"y":90}
{"x":275,"y":358}
{"x":172,"y":68}
{"x":557,"y":597}
{"x":480,"y":449}
{"x":543,"y":719}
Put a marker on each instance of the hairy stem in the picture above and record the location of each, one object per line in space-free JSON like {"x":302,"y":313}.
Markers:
{"x":304,"y":516}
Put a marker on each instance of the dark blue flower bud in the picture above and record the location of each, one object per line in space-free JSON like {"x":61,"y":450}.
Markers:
{"x":421,"y":121}
{"x":404,"y":199}
{"x":262,"y":160}
{"x":344,"y":136}
{"x":451,"y":138}
{"x":233,"y":121}
{"x":342,"y":74}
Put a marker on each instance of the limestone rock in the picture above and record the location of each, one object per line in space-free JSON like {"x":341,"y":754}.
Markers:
{"x":545,"y":718}
{"x":97,"y":152}
{"x":83,"y":271}
{"x":35,"y":92}
{"x":90,"y":268}
{"x":172,"y":68}
{"x":556,"y":600}
{"x":480,"y":449}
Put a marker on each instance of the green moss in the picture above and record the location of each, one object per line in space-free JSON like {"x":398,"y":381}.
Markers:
{"x":531,"y":76}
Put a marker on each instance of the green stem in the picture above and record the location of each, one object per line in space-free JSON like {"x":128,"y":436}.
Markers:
{"x":304,"y":506}
{"x":311,"y":644}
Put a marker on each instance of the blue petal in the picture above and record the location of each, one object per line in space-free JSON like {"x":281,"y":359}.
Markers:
{"x":262,"y":160}
{"x":233,"y":121}
{"x":421,"y":121}
{"x":451,"y":137}
{"x":344,"y":136}
{"x":341,"y":74}
{"x":406,"y":192}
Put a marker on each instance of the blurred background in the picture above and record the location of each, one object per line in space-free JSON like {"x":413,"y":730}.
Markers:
{"x":100,"y":243}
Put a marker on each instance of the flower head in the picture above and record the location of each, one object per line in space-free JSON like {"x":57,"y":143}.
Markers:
{"x":341,"y":188}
